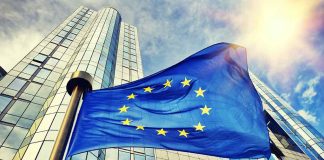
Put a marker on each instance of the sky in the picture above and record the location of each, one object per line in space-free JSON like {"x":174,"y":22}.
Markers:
{"x":284,"y":38}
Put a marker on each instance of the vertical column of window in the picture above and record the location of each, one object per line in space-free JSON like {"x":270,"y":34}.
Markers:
{"x":91,"y":41}
{"x":82,"y":48}
{"x":80,"y":61}
{"x":119,"y":56}
{"x":98,"y":57}
{"x":133,"y":56}
{"x":139,"y":59}
{"x":102,"y":59}
{"x":126,"y":56}
{"x":111,"y":42}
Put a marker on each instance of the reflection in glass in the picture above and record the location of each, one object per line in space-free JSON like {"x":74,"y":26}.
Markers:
{"x":124,"y":155}
{"x":139,"y":157}
{"x":32,"y":111}
{"x":17,"y":84}
{"x":40,"y":58}
{"x":30,"y":69}
{"x":4,"y":101}
{"x":15,"y":138}
{"x":18,"y":108}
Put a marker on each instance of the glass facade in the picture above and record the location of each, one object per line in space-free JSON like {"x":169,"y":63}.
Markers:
{"x":33,"y":98}
{"x":294,"y":133}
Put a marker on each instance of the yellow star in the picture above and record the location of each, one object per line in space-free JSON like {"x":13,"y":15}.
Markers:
{"x":199,"y":127}
{"x":123,"y":109}
{"x":167,"y":83}
{"x":131,"y":96}
{"x":140,"y":128}
{"x":200,"y":92}
{"x":185,"y":82}
{"x":148,"y":89}
{"x":161,"y":132}
{"x":126,"y":121}
{"x":205,"y":110}
{"x":183,"y":133}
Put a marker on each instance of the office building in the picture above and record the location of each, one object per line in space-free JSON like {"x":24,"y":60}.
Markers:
{"x":33,"y":97}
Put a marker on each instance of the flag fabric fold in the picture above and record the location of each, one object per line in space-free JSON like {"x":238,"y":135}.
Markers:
{"x":205,"y":104}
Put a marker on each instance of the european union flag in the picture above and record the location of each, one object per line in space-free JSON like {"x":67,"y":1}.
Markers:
{"x":205,"y":104}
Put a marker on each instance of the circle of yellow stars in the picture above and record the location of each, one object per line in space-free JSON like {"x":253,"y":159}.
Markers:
{"x":205,"y":110}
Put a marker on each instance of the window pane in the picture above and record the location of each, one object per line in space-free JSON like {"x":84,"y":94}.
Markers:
{"x":137,"y":149}
{"x":40,"y":58}
{"x":32,"y":111}
{"x":79,"y":26}
{"x":125,"y":63}
{"x":80,"y":156}
{"x":57,"y":39}
{"x":15,"y":138}
{"x":62,"y":33}
{"x":112,"y":154}
{"x":52,"y":62}
{"x":32,"y":88}
{"x":133,"y":65}
{"x":6,"y":80}
{"x":54,"y":76}
{"x":17,"y":84}
{"x":75,"y":31}
{"x":150,"y":158}
{"x":4,"y":131}
{"x":139,"y":157}
{"x":71,"y":24}
{"x":43,"y":73}
{"x":7,"y":153}
{"x":25,"y":123}
{"x":10,"y":119}
{"x":67,"y":28}
{"x":149,"y":151}
{"x":44,"y":91}
{"x":18,"y":107}
{"x":133,"y":58}
{"x":4,"y":101}
{"x":30,"y":69}
{"x":124,"y":155}
{"x":47,"y":51}
{"x":71,"y":36}
{"x":57,"y":54}
{"x":66,"y":43}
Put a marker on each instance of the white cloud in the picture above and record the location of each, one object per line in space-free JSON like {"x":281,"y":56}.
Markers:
{"x":13,"y":49}
{"x":310,"y":92}
{"x":299,"y":86}
{"x":310,"y":117}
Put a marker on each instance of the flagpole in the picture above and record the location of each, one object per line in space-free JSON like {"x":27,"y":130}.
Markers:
{"x":79,"y":83}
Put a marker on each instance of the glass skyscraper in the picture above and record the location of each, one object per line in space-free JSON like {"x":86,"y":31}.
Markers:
{"x":33,"y":98}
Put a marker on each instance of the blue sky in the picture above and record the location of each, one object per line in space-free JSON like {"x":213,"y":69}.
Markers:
{"x":284,"y":39}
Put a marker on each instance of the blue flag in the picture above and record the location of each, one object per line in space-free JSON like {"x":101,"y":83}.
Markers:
{"x":205,"y":104}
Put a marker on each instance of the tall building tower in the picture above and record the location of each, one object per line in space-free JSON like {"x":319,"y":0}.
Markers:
{"x":33,"y":98}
